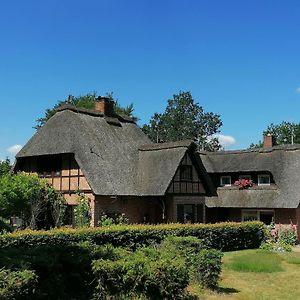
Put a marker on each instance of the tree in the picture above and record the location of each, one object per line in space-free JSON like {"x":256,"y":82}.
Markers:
{"x":86,"y":101}
{"x":284,"y":133}
{"x":5,"y":167}
{"x":32,"y":199}
{"x":185,"y":119}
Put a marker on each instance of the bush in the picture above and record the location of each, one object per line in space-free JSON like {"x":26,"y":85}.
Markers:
{"x":208,"y":265}
{"x":4,"y":227}
{"x":113,"y":219}
{"x":288,"y":235}
{"x":222,"y":236}
{"x":16,"y":285}
{"x":32,"y":199}
{"x":203,"y":264}
{"x":82,"y":211}
{"x":63,"y":272}
{"x":142,"y":273}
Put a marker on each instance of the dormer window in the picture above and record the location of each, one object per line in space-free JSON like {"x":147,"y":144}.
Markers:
{"x":246,"y":177}
{"x":264,"y":179}
{"x":225,"y":180}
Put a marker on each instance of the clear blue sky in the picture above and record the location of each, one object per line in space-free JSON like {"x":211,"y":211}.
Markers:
{"x":240,"y":59}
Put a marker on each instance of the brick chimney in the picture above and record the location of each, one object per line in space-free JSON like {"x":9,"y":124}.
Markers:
{"x":105,"y":105}
{"x":269,"y":141}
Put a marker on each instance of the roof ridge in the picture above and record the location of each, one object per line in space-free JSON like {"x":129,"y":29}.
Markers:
{"x":168,"y":145}
{"x":91,"y":112}
{"x":258,"y":150}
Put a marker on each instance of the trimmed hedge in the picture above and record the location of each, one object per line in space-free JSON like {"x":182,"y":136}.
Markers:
{"x":227,"y":236}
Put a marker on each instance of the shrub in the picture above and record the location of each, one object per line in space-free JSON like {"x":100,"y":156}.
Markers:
{"x":32,"y":199}
{"x":82,"y":211}
{"x":143,"y":273}
{"x":4,"y":227}
{"x":114,"y":219}
{"x":288,"y":235}
{"x":208,"y":265}
{"x":63,"y":272}
{"x":16,"y":285}
{"x":275,"y":247}
{"x":222,"y":236}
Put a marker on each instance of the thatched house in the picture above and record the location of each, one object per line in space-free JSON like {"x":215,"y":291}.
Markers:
{"x":109,"y":158}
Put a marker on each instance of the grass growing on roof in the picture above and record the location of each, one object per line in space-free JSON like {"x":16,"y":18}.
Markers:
{"x":258,"y":262}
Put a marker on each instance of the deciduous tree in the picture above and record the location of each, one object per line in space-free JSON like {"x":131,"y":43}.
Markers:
{"x":284,"y":133}
{"x":185,"y":119}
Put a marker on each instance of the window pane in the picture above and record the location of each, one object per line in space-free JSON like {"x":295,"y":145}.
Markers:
{"x":185,"y":172}
{"x":225,"y":180}
{"x":250,"y":215}
{"x":264,"y":179}
{"x":188,"y":213}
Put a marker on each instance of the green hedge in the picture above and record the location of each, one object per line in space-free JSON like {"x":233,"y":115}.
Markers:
{"x":227,"y":236}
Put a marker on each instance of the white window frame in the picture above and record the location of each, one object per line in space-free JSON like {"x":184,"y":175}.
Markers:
{"x":247,"y":177}
{"x":263,"y":175}
{"x":222,"y":184}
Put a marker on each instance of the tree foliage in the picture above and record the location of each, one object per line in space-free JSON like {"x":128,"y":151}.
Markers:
{"x":5,"y":167}
{"x":86,"y":101}
{"x":32,"y":199}
{"x":185,"y":119}
{"x":282,"y":132}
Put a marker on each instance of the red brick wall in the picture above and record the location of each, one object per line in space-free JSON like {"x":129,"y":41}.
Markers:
{"x":134,"y":208}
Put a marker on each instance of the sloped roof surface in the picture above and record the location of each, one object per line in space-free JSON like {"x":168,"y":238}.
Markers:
{"x":116,"y":157}
{"x":283,"y":162}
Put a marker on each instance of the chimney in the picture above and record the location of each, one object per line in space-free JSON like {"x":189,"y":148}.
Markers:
{"x":269,"y":141}
{"x":105,"y":105}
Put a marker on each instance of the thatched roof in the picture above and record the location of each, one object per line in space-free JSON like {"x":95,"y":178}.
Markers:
{"x":283,"y":162}
{"x":158,"y":164}
{"x":116,"y":157}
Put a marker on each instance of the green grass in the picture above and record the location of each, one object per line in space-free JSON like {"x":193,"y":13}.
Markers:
{"x":258,"y":261}
{"x":291,"y":258}
{"x":255,"y":275}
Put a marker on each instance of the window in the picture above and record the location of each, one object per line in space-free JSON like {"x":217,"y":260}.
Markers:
{"x":264,"y":179}
{"x":185,"y":172}
{"x":225,"y":180}
{"x":247,"y":177}
{"x":185,"y":213}
{"x":190,"y":213}
{"x":265,"y":216}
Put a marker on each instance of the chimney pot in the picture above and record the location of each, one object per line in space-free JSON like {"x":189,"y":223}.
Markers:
{"x":105,"y":105}
{"x":269,"y":141}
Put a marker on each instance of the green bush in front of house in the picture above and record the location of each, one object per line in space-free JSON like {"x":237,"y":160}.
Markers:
{"x":88,"y":271}
{"x":227,"y":236}
{"x":17,"y":285}
{"x":145,"y":273}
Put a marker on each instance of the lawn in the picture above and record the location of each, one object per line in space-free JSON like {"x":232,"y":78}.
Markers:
{"x":254,"y":274}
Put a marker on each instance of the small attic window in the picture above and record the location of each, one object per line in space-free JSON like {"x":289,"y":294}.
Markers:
{"x":264,"y":179}
{"x":185,"y":172}
{"x":225,"y":180}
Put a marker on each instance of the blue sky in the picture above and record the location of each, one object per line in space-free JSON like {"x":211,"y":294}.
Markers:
{"x":240,"y":59}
